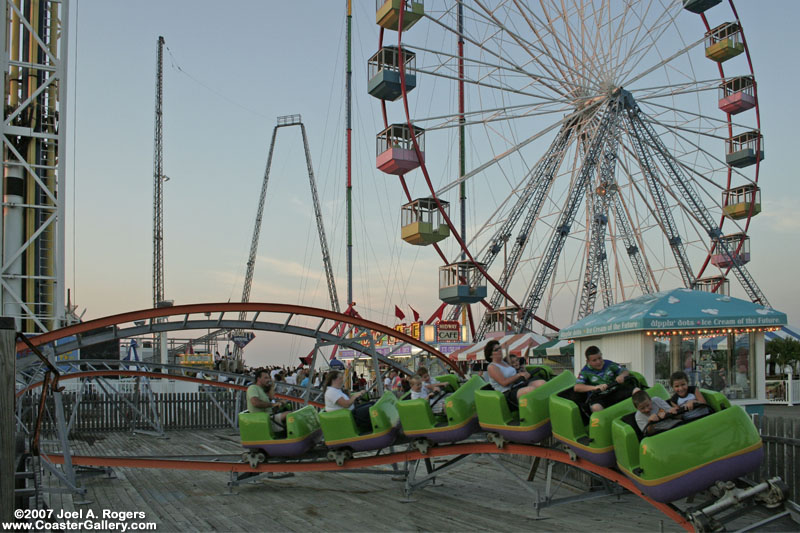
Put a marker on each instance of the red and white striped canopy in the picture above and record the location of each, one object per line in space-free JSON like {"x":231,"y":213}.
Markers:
{"x":515,"y":344}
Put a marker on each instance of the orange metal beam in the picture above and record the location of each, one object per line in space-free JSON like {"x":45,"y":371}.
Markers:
{"x":377,"y":460}
{"x":233,"y":307}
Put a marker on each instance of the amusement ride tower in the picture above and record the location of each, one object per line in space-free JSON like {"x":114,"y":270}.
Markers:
{"x":33,"y":135}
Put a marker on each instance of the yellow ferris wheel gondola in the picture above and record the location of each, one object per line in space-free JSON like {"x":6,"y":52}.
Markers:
{"x":737,"y":201}
{"x":422,"y":223}
{"x":724,"y":42}
{"x":388,"y":13}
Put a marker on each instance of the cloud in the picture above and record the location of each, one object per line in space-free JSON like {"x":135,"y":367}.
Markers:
{"x":781,"y":216}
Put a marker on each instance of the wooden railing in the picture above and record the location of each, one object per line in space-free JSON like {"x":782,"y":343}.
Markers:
{"x":118,"y":412}
{"x":781,"y":436}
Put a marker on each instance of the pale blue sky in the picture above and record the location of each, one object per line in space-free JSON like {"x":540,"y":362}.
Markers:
{"x":243,"y":64}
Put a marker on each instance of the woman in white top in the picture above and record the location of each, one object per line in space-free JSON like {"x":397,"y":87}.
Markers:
{"x":336,"y":399}
{"x":503,"y":376}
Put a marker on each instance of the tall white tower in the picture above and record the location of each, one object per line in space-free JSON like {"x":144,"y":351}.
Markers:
{"x":34,"y":63}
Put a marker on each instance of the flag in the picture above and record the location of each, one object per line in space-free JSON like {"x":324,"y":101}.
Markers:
{"x":438,"y":314}
{"x":416,"y":315}
{"x":398,"y":313}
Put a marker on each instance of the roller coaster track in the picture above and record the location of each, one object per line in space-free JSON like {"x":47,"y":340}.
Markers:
{"x":294,"y":319}
{"x":460,"y":449}
{"x":375,"y":460}
{"x":358,"y":336}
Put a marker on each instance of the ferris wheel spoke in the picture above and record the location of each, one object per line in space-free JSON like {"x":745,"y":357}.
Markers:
{"x":585,"y":173}
{"x":629,"y":210}
{"x":648,"y":168}
{"x":699,"y":149}
{"x":685,"y":88}
{"x":658,"y":65}
{"x":564,"y":20}
{"x":483,"y":84}
{"x":565,"y":74}
{"x":472,"y":61}
{"x":451,"y":120}
{"x":722,"y":124}
{"x":587,"y":56}
{"x":565,"y":49}
{"x":512,"y":150}
{"x":530,"y":200}
{"x":632,"y":242}
{"x":708,"y":223}
{"x":636,"y":29}
{"x":526,"y":47}
{"x":543,"y":80}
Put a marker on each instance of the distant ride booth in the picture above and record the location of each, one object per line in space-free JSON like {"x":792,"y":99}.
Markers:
{"x":716,"y":339}
{"x":444,"y":335}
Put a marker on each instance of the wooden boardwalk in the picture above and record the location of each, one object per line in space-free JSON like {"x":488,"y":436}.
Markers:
{"x":478,"y":495}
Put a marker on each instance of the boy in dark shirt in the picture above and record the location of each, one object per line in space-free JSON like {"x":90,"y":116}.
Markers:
{"x":598,"y":375}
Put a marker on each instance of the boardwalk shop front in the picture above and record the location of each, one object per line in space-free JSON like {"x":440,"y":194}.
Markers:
{"x":717,"y":340}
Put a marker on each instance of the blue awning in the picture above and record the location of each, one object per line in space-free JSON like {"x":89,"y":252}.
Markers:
{"x":676,"y":309}
{"x":786,"y":332}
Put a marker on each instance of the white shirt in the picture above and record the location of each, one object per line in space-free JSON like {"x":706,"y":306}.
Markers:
{"x":291,"y":380}
{"x":686,"y":398}
{"x":421,"y":394}
{"x":274,"y":373}
{"x":656,"y":404}
{"x":507,"y":371}
{"x":332,"y":395}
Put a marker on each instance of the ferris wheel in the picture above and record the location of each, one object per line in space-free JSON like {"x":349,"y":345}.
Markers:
{"x":608,"y":149}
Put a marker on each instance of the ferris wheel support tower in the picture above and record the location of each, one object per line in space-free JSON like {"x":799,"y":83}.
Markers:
{"x":34,"y":164}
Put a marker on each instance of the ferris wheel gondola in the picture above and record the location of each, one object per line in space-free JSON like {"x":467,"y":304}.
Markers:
{"x":603,"y":150}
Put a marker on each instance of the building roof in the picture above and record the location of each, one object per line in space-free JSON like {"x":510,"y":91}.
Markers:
{"x":676,"y":309}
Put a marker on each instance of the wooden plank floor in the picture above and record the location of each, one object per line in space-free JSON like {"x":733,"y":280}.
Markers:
{"x":478,"y":495}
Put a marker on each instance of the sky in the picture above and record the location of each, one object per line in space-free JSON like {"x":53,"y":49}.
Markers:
{"x":229,"y":70}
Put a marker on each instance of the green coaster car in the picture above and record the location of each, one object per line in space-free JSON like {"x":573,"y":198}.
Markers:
{"x":256,"y":431}
{"x":592,"y":440}
{"x":458,"y":421}
{"x":531,"y":423}
{"x":340,"y":431}
{"x":688,"y":458}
